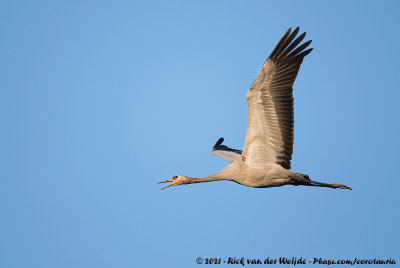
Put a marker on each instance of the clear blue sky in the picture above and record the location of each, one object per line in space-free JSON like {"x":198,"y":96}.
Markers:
{"x":100,"y":100}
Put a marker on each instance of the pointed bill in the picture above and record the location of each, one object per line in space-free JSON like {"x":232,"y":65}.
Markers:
{"x":169,"y":180}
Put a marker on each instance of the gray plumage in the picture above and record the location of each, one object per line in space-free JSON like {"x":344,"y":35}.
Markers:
{"x":265,"y":159}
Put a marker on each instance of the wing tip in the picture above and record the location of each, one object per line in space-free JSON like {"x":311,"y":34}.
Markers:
{"x":219,"y":142}
{"x":287,"y":48}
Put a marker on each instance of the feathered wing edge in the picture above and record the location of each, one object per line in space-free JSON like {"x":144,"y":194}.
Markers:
{"x":225,"y":152}
{"x":284,"y":51}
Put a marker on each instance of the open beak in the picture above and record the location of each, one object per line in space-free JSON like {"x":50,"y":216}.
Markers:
{"x":169,"y":180}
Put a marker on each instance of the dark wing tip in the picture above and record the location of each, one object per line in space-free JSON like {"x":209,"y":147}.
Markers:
{"x":219,"y":142}
{"x":287,"y":47}
{"x":280,"y":43}
{"x":304,"y":53}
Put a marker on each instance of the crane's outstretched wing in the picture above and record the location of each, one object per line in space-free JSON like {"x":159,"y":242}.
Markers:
{"x":269,"y":136}
{"x":225,"y":152}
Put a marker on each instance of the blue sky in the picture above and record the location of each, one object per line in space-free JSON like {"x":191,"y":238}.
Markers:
{"x":100,"y":100}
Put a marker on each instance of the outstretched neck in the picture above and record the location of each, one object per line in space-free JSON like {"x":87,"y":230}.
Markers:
{"x":205,"y":179}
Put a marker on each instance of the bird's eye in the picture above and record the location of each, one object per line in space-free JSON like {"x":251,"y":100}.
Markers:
{"x":175,"y":177}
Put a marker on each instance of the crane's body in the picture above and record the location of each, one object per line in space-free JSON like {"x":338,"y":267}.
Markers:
{"x":256,"y":176}
{"x":265,"y":159}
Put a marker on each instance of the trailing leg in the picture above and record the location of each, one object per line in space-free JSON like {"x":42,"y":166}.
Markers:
{"x":321,"y":184}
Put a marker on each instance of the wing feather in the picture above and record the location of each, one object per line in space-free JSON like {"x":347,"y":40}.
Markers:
{"x":224,"y":151}
{"x":269,"y":136}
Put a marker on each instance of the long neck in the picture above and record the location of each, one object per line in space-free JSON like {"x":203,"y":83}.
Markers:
{"x":206,"y":179}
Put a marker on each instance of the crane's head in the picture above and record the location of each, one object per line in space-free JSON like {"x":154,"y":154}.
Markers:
{"x":176,"y":180}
